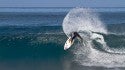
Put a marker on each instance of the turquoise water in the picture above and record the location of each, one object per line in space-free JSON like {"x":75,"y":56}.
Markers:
{"x":33,"y":39}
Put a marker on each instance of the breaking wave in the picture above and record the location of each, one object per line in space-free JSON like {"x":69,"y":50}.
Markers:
{"x":95,"y":51}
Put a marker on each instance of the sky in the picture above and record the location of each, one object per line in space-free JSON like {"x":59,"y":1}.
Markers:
{"x":62,"y":3}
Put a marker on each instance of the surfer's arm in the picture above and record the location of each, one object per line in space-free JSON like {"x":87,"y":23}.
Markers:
{"x":98,"y":33}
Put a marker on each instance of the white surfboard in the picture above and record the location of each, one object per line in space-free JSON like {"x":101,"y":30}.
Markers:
{"x":68,"y":43}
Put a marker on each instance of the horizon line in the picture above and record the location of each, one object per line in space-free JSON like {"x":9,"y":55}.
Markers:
{"x":62,"y":7}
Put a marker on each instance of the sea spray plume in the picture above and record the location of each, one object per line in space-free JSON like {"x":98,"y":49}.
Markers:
{"x":85,"y":21}
{"x":82,"y":19}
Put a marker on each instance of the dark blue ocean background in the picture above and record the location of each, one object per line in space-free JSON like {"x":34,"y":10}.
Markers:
{"x":33,"y":38}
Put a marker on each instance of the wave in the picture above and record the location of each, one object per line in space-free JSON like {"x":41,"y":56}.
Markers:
{"x":44,"y":43}
{"x":96,"y":51}
{"x":116,"y":28}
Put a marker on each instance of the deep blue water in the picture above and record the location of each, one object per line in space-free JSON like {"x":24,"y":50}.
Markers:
{"x":33,"y":38}
{"x":53,"y":16}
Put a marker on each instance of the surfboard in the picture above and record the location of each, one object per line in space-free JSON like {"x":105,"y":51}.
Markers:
{"x":68,"y":43}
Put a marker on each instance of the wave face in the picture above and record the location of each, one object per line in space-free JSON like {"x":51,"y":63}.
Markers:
{"x":96,"y":51}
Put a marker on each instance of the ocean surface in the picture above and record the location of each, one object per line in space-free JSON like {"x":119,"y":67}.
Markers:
{"x":34,"y":38}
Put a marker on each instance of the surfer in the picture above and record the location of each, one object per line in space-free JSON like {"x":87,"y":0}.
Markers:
{"x":74,"y":35}
{"x":94,"y":36}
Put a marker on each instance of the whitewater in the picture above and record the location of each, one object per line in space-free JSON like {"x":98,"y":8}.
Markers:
{"x":94,"y":51}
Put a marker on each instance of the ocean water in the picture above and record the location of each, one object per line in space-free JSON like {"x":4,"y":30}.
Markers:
{"x":33,"y":38}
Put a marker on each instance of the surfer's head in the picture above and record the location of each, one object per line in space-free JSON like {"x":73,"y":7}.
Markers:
{"x":74,"y":35}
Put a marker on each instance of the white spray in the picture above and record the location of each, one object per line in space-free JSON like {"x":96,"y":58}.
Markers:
{"x":82,"y":19}
{"x":85,"y":22}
